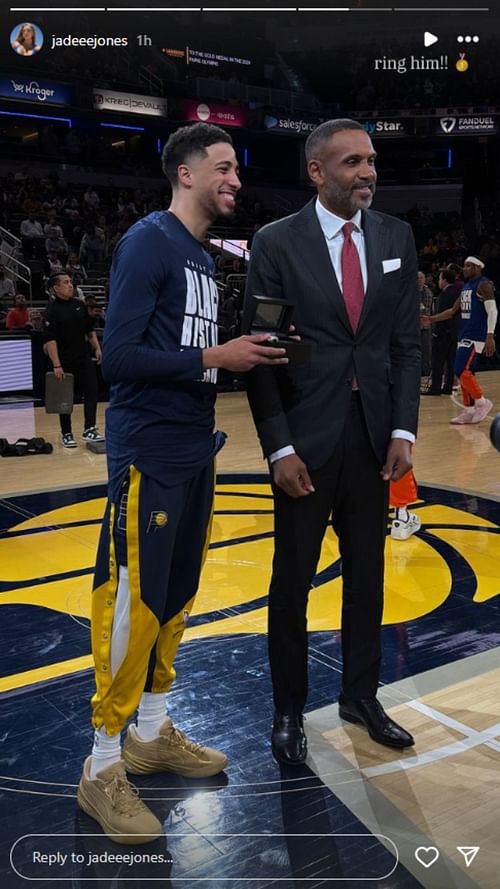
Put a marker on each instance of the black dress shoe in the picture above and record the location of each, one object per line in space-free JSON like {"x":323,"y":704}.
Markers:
{"x":431,"y":392}
{"x":379,"y":725}
{"x":288,"y":739}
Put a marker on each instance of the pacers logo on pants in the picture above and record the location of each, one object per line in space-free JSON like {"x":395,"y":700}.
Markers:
{"x":158,"y":519}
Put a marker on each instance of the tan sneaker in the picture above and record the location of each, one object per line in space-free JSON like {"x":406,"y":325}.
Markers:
{"x":172,"y":751}
{"x":114,"y":803}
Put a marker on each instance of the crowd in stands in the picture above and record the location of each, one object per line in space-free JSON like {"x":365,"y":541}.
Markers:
{"x":74,"y":229}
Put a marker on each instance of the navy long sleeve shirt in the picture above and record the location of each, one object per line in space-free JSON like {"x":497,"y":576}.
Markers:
{"x":162,"y":313}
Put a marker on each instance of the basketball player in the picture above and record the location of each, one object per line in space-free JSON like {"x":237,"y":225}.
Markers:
{"x":160,"y":354}
{"x":479,"y":317}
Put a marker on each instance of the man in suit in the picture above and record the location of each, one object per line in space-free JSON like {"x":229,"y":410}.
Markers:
{"x":338,"y":427}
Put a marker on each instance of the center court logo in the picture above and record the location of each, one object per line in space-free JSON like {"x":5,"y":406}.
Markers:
{"x":458,"y":546}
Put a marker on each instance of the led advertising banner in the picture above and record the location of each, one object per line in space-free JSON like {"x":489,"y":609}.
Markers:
{"x":223,"y":115}
{"x":466,"y":125}
{"x":35,"y":89}
{"x":130,"y":103}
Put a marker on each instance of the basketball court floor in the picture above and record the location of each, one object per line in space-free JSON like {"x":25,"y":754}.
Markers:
{"x":357,"y":813}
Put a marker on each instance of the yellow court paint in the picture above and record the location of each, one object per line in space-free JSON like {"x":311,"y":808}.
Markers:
{"x":70,"y":595}
{"x":46,"y":553}
{"x":450,"y":515}
{"x":87,"y":510}
{"x":482,"y":552}
{"x":418,"y":578}
{"x":41,"y":674}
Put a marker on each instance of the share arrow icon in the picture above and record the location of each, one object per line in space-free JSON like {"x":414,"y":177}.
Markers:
{"x":469,"y":853}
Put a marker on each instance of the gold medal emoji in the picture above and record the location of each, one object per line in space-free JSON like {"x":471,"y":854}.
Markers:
{"x":462,"y":63}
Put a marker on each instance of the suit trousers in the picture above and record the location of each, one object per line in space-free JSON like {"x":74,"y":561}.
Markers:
{"x":349,"y":488}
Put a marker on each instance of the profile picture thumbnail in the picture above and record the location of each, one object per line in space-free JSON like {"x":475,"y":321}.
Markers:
{"x":26,"y":39}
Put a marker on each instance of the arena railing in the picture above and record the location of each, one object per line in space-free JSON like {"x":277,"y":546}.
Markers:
{"x":10,"y":247}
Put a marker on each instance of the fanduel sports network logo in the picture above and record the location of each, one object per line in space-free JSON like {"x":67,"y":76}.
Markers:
{"x":448,"y":124}
{"x":472,"y":125}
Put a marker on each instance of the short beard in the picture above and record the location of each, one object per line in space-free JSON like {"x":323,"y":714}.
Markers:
{"x":344,"y":203}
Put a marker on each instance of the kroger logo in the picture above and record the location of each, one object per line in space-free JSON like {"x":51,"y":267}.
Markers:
{"x":32,"y":89}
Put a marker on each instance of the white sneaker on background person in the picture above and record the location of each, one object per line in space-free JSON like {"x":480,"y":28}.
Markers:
{"x":465,"y":417}
{"x":92,"y":434}
{"x":404,"y":524}
{"x":481,"y":410}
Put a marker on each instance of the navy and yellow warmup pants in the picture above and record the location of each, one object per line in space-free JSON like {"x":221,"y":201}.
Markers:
{"x":161,"y":535}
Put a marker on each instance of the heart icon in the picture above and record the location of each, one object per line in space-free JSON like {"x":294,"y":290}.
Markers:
{"x":427,"y":855}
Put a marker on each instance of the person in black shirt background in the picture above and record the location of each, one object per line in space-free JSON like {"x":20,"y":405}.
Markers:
{"x":69,"y":329}
{"x":444,"y":344}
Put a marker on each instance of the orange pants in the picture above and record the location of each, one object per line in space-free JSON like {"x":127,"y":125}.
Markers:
{"x":465,"y":364}
{"x":404,"y":491}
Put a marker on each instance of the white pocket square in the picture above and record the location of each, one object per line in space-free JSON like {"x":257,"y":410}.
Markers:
{"x":390,"y":265}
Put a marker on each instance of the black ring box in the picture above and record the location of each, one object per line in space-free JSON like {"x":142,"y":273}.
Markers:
{"x":274,"y":317}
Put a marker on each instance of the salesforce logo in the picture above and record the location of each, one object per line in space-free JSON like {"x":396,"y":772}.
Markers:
{"x":288,"y":123}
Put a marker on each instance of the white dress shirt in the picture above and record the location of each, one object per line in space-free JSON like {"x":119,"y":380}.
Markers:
{"x":331,"y":226}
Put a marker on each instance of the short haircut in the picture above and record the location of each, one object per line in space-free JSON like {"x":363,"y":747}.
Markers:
{"x":448,"y":275}
{"x":54,"y":279}
{"x":315,"y":141}
{"x":189,"y":141}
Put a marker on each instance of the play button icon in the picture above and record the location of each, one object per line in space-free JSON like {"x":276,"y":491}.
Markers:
{"x":429,"y":38}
